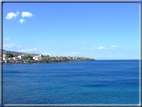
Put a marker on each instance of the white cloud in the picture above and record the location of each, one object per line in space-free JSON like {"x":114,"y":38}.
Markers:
{"x":114,"y":46}
{"x":34,"y":50}
{"x":12,"y":15}
{"x":102,"y":47}
{"x":82,"y":42}
{"x":6,"y":38}
{"x":26,"y":14}
{"x":76,"y":53}
{"x":93,"y":48}
{"x":23,"y":50}
{"x":45,"y":53}
{"x":21,"y":21}
{"x":28,"y":50}
{"x":11,"y":45}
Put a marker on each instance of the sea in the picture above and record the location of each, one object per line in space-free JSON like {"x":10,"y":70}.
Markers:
{"x":80,"y":82}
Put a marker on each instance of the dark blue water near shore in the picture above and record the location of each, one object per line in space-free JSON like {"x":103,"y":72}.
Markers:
{"x":84,"y":82}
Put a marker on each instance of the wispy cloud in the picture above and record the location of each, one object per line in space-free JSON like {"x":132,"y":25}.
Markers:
{"x":96,"y":48}
{"x":45,"y":53}
{"x":34,"y":50}
{"x":102,"y":47}
{"x":8,"y":45}
{"x":19,"y":46}
{"x":27,"y":14}
{"x":21,"y":21}
{"x":11,"y":45}
{"x":76,"y":53}
{"x":28,"y":50}
{"x":90,"y":48}
{"x":128,"y":49}
{"x":6,"y":38}
{"x":82,"y":42}
{"x":12,"y":15}
{"x":114,"y":46}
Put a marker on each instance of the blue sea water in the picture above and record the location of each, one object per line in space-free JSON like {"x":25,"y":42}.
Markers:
{"x":83,"y":82}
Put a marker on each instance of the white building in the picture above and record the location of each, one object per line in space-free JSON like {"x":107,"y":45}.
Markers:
{"x":39,"y":57}
{"x":21,"y":56}
{"x":10,"y":59}
{"x":5,"y":58}
{"x":16,"y":58}
{"x":4,"y":55}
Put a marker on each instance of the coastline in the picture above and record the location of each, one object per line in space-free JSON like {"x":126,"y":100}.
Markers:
{"x":46,"y":61}
{"x":11,"y":58}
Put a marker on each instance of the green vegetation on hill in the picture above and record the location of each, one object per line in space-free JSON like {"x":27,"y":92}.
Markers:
{"x":9,"y":54}
{"x":17,"y":53}
{"x":46,"y":57}
{"x":64,"y":58}
{"x":29,"y":57}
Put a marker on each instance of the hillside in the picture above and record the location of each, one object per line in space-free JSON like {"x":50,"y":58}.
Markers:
{"x":14,"y":52}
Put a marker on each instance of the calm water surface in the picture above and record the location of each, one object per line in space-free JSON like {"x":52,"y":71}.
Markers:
{"x":84,"y":82}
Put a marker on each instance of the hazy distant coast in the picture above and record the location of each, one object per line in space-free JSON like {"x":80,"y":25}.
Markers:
{"x":12,"y":57}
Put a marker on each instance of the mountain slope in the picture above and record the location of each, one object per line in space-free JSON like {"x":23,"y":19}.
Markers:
{"x":14,"y":52}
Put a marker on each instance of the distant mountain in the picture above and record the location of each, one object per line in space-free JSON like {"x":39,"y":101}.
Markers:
{"x":14,"y":52}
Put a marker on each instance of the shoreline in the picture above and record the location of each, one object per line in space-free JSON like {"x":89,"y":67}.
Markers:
{"x":40,"y":62}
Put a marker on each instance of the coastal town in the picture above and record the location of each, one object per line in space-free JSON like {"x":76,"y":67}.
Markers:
{"x":10,"y":58}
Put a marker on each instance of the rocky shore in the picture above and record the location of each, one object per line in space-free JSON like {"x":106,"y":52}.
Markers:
{"x":45,"y":61}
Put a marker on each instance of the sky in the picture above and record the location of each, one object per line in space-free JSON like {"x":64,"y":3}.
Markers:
{"x":95,"y":30}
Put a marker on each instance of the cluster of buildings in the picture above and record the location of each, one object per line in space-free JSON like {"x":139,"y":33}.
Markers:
{"x":69,"y":57}
{"x":39,"y":58}
{"x":19,"y":58}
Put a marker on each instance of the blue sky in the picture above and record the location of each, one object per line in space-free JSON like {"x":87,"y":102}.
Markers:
{"x":96,"y":30}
